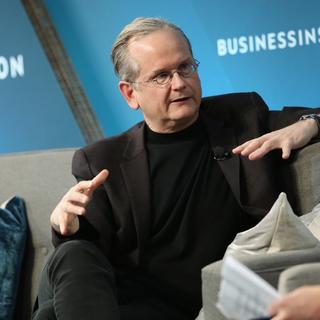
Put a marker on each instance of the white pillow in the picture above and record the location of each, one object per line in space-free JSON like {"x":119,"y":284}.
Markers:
{"x":312,"y":221}
{"x":279,"y":230}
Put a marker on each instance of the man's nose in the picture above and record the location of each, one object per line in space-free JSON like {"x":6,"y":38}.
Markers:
{"x":177,"y":81}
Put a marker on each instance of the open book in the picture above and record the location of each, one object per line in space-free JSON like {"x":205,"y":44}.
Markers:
{"x":243,"y":294}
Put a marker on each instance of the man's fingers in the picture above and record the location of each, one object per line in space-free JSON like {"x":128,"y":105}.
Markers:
{"x":274,"y":307}
{"x":251,"y":147}
{"x":77,"y":197}
{"x":99,"y":179}
{"x":72,"y":208}
{"x":286,"y":152}
{"x":238,"y":149}
{"x":83,"y":186}
{"x":68,"y":224}
{"x":257,"y":148}
{"x":87,"y":186}
{"x":261,"y":151}
{"x":267,"y":147}
{"x":64,"y":218}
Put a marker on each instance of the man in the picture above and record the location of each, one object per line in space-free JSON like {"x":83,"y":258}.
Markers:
{"x":133,"y":238}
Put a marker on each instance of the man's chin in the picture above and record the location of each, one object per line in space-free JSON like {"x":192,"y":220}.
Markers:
{"x":184,"y":108}
{"x":185,"y":113}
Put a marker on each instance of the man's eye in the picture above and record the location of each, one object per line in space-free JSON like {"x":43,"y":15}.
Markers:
{"x":162,"y":77}
{"x":185,"y":68}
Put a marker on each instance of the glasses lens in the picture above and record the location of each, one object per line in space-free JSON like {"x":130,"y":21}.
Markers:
{"x":185,"y":70}
{"x":163,"y":78}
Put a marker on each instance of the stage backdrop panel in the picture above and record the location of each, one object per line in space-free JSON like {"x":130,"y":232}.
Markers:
{"x":268,"y":46}
{"x":34,"y":113}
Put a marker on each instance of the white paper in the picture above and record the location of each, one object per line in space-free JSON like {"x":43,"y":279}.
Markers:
{"x":243,"y":294}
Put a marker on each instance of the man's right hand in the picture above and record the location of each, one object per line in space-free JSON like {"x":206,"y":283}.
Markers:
{"x":64,"y":218}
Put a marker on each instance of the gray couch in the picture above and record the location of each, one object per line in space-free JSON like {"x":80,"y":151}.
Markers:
{"x":41,"y":178}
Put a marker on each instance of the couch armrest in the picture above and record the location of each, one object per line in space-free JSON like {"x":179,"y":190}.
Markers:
{"x":298,"y":276}
{"x":301,"y":176}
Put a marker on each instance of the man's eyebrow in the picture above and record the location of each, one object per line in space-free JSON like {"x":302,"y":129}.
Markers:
{"x":156,"y":72}
{"x":160,"y":70}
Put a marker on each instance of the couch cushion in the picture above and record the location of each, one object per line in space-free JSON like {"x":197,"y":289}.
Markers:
{"x":13,"y":230}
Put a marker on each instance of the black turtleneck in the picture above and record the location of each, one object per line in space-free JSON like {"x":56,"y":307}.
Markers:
{"x":194,"y":213}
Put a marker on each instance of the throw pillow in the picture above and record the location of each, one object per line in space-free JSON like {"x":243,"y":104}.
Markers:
{"x":312,"y":221}
{"x":13,"y":229}
{"x":279,"y":230}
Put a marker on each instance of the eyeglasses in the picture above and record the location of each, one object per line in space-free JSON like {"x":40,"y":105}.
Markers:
{"x":185,"y":70}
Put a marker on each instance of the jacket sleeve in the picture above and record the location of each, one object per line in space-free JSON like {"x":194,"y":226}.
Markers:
{"x":288,"y":116}
{"x":97,"y":223}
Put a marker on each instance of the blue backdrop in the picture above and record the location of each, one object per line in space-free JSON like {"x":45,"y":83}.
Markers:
{"x":270,"y":46}
{"x":33,"y":111}
{"x":274,"y":47}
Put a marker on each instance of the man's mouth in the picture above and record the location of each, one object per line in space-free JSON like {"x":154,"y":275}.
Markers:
{"x":180,"y":99}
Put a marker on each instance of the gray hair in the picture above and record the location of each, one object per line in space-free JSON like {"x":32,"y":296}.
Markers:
{"x":124,"y":66}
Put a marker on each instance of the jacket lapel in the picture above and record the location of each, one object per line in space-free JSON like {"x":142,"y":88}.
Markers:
{"x":222,"y":140}
{"x":136,"y":176}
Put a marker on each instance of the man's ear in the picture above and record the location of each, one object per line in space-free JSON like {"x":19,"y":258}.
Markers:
{"x":129,"y":94}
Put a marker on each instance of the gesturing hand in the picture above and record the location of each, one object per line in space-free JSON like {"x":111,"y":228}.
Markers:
{"x":289,"y":138}
{"x":64,"y":218}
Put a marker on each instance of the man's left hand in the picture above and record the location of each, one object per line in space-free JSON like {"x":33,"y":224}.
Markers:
{"x":289,"y":138}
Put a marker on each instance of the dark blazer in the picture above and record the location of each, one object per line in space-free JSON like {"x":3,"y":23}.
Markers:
{"x":118,"y":217}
